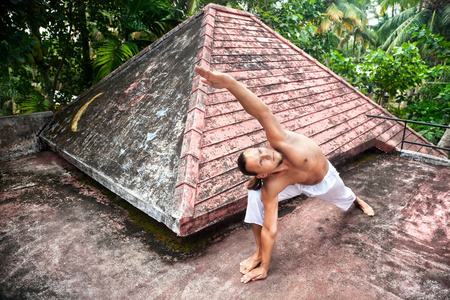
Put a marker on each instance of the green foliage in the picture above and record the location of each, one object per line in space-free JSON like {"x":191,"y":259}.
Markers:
{"x":27,"y":98}
{"x":50,"y":46}
{"x":111,"y":55}
{"x":428,"y":111}
{"x":36,"y":36}
{"x":434,"y":14}
{"x":139,"y":23}
{"x":18,"y":49}
{"x":437,"y":48}
{"x":394,"y":74}
{"x":346,"y":68}
{"x":383,"y":74}
{"x":436,"y":86}
{"x":35,"y":102}
{"x":296,"y":21}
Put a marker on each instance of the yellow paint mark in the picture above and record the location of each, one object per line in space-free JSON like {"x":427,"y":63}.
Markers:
{"x":80,"y":113}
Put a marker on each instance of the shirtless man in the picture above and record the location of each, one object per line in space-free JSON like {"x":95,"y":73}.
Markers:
{"x":292,"y":164}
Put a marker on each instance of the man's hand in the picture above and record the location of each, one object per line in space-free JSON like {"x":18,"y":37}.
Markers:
{"x":215,"y":79}
{"x":255,"y":274}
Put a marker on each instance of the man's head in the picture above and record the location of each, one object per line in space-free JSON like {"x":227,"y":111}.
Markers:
{"x":259,"y":162}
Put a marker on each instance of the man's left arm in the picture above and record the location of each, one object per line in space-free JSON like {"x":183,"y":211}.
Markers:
{"x":251,"y":103}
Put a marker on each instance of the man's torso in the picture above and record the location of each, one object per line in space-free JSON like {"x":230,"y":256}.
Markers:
{"x":307,"y":164}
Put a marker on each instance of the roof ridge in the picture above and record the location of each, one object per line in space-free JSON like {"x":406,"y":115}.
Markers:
{"x":190,"y":155}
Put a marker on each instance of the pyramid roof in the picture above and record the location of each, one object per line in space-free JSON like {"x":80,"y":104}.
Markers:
{"x":155,"y":135}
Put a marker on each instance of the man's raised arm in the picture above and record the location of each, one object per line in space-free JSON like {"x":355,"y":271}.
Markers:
{"x":251,"y":103}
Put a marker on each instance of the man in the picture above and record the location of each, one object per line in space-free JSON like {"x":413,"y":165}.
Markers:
{"x":291,"y":164}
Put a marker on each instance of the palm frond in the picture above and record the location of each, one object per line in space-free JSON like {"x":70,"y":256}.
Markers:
{"x":348,"y":25}
{"x":404,"y":4}
{"x":385,"y":4}
{"x":393,"y":23}
{"x":402,"y":34}
{"x":443,"y":21}
{"x":338,"y":29}
{"x":324,"y":25}
{"x":409,"y":3}
{"x":35,"y":102}
{"x":334,"y":13}
{"x":370,"y":36}
{"x":432,"y":20}
{"x":445,"y":13}
{"x":344,"y":41}
{"x":191,"y":7}
{"x":349,"y":11}
{"x":359,"y":37}
{"x":113,"y":54}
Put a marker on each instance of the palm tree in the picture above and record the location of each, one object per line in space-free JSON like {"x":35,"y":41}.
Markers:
{"x":348,"y":21}
{"x":139,"y":23}
{"x":338,"y":12}
{"x":393,"y":4}
{"x":434,"y":14}
{"x":364,"y":36}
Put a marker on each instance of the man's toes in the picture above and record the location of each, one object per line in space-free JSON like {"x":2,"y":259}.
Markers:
{"x":369,"y":211}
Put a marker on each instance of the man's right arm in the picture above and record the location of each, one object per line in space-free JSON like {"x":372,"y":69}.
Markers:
{"x":268,"y":234}
{"x":249,"y":101}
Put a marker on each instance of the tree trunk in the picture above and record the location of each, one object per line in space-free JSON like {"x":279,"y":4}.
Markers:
{"x":359,"y":51}
{"x":445,"y":140}
{"x":267,"y":9}
{"x":81,"y":26}
{"x":354,"y":45}
{"x":43,"y":68}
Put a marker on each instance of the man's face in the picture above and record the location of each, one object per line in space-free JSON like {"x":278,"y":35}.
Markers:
{"x":262,"y":160}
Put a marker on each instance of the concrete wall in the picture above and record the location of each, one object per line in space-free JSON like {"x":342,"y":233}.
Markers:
{"x":19,"y":134}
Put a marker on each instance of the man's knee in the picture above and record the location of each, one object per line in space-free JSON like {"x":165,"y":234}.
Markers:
{"x":254,"y":195}
{"x":255,"y":208}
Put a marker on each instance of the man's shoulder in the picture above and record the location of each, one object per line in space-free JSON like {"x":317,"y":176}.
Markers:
{"x":277,"y":182}
{"x":293,"y":137}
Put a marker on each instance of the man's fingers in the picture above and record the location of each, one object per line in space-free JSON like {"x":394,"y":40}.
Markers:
{"x":251,"y":277}
{"x":245,"y":279}
{"x":202,"y":72}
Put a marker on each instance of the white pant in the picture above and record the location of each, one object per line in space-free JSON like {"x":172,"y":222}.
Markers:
{"x":331,"y":189}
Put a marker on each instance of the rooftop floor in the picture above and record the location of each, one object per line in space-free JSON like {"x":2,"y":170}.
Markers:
{"x":63,"y":238}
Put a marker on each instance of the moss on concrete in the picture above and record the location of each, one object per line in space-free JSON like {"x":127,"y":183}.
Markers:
{"x":185,"y":245}
{"x":368,"y":155}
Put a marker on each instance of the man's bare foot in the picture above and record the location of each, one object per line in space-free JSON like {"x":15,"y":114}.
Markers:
{"x":250,"y":263}
{"x":365,"y":207}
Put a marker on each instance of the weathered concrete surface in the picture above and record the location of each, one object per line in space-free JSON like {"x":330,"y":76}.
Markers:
{"x":63,"y":239}
{"x":19,"y":134}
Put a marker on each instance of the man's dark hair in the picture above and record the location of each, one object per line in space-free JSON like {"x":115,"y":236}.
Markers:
{"x":242,"y":161}
{"x":254,"y":183}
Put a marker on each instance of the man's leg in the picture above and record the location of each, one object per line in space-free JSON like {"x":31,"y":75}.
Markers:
{"x":254,"y":260}
{"x":332,"y":189}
